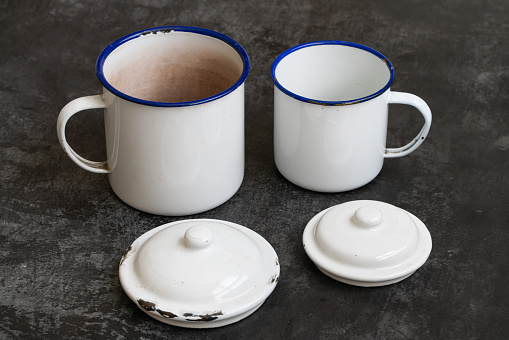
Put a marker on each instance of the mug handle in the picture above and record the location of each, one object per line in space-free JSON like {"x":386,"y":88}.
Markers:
{"x":419,"y":104}
{"x":73,"y":107}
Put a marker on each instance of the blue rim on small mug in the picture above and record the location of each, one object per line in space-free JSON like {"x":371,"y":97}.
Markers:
{"x":165,"y":29}
{"x":328,"y":102}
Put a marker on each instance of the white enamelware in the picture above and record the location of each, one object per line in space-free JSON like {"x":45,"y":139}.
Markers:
{"x":173,"y":100}
{"x":367,"y":243}
{"x":330,"y":115}
{"x":199,"y":273}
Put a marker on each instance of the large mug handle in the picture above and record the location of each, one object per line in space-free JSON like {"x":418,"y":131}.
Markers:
{"x":73,"y":107}
{"x":419,"y":104}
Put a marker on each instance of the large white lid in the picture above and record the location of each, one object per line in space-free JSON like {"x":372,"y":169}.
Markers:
{"x":367,"y":243}
{"x":199,"y":273}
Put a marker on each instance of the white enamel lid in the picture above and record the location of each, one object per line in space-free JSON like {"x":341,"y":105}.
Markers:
{"x":367,"y":243}
{"x":199,"y":273}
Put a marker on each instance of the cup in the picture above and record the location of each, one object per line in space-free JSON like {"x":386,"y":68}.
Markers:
{"x":330,"y":115}
{"x":173,"y":100}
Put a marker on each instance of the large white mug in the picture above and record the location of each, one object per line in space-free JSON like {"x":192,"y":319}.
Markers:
{"x":173,"y":100}
{"x":331,"y":112}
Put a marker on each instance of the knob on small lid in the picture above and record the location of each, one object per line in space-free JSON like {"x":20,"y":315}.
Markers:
{"x":368,"y":217}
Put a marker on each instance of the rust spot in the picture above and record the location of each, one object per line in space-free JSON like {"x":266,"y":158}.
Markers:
{"x":273,"y":279}
{"x":202,"y":317}
{"x":125,"y":255}
{"x":147,"y":305}
{"x":166,"y":30}
{"x":277,"y":261}
{"x":150,"y":32}
{"x":166,"y":314}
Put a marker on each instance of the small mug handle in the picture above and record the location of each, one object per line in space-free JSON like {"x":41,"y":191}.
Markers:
{"x":419,"y":104}
{"x":73,"y":107}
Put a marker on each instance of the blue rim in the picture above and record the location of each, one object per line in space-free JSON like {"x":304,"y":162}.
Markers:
{"x":111,"y":47}
{"x":326,"y":102}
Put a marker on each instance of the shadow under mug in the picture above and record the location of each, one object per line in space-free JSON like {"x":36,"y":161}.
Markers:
{"x":173,"y":100}
{"x":331,"y":113}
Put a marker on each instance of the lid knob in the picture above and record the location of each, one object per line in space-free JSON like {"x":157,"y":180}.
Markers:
{"x":368,"y":217}
{"x":199,"y":236}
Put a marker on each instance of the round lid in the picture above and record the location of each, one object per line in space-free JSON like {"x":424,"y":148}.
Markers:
{"x":199,"y":273}
{"x":367,"y":243}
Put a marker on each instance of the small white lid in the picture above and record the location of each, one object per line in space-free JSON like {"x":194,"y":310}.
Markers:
{"x":367,"y":243}
{"x":199,"y":273}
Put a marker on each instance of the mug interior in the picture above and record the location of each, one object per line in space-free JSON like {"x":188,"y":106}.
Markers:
{"x":172,"y":66}
{"x":332,"y":72}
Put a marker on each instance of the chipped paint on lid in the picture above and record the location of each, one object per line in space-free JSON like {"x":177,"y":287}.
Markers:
{"x":199,"y":273}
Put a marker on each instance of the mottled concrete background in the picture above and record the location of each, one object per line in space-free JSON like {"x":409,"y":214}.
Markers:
{"x":63,"y":231}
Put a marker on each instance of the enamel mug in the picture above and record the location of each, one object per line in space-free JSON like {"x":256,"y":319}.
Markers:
{"x":331,"y":112}
{"x":173,"y":100}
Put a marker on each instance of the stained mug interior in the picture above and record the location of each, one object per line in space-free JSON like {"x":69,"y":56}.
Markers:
{"x":174,"y":119}
{"x":331,"y":112}
{"x":172,"y":66}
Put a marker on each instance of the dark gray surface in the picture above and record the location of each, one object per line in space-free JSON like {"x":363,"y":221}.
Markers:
{"x":63,"y":231}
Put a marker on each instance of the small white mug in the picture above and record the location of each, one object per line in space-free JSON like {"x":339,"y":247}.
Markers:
{"x":330,"y":115}
{"x":173,"y":100}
